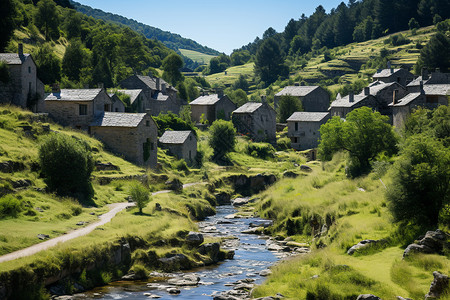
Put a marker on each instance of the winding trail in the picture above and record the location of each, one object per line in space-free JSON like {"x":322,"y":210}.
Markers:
{"x":103,"y":219}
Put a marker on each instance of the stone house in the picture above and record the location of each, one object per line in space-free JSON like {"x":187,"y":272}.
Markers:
{"x":133,"y":135}
{"x":389,"y":75}
{"x":24,"y":89}
{"x":77,"y":107}
{"x":426,"y":79}
{"x":182,"y":144}
{"x":161,"y":96}
{"x":138,"y":100}
{"x":117,"y":104}
{"x":384,"y":93}
{"x":430,"y":96}
{"x":313,"y":98}
{"x":342,"y":106}
{"x":211,"y":108}
{"x":258,"y":120}
{"x":303,"y":129}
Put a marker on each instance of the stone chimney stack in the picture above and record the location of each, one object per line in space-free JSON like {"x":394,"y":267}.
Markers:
{"x":367,"y":91}
{"x":424,"y":74}
{"x":351,"y":97}
{"x":422,"y":91}
{"x":395,"y":97}
{"x":55,"y":88}
{"x":163,"y":88}
{"x":157,"y":81}
{"x":20,"y":49}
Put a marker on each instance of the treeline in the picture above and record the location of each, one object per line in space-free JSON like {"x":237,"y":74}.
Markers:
{"x":171,"y":40}
{"x":96,"y":51}
{"x":356,"y":21}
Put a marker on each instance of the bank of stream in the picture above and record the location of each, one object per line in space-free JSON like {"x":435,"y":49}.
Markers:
{"x":254,"y":254}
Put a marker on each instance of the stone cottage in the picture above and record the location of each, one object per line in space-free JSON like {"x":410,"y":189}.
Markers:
{"x":211,"y":108}
{"x":427,"y":78}
{"x":23,"y":89}
{"x":138,"y":100}
{"x":303,"y":129}
{"x":342,"y":106}
{"x":161,"y":96}
{"x":77,"y":107}
{"x":389,"y":75}
{"x":182,"y":144}
{"x":384,"y":93}
{"x":133,"y":135}
{"x":117,"y":104}
{"x":257,"y":120}
{"x":313,"y":98}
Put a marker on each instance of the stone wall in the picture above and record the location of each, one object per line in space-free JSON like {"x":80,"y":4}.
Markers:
{"x":198,"y":110}
{"x":261,"y":124}
{"x":317,"y":100}
{"x":67,"y":113}
{"x":307,"y":135}
{"x":225,"y":106}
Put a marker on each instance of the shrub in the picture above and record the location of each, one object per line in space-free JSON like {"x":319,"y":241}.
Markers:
{"x":67,"y":165}
{"x":261,"y":150}
{"x":284,"y":143}
{"x":222,"y":138}
{"x":140,"y":195}
{"x":10,"y":206}
{"x":171,"y":121}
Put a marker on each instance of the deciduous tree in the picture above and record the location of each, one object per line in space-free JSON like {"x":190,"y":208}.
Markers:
{"x":222,"y":138}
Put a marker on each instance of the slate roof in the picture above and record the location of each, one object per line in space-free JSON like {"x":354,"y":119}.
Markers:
{"x":307,"y":116}
{"x":385,"y":73}
{"x":174,"y":137}
{"x":118,"y":119}
{"x":377,"y":87}
{"x":14,"y":58}
{"x":344,"y":102}
{"x":73,"y":95}
{"x":206,"y":100}
{"x":298,"y":91}
{"x":406,"y":100}
{"x":151,"y":82}
{"x":134,"y":94}
{"x":437,"y":89}
{"x":248,"y":107}
{"x":162,"y":97}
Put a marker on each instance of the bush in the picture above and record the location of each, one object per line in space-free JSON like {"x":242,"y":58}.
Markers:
{"x":222,"y":138}
{"x":261,"y":150}
{"x":171,"y":121}
{"x":10,"y":206}
{"x":284,"y":143}
{"x":140,"y":195}
{"x":67,"y":165}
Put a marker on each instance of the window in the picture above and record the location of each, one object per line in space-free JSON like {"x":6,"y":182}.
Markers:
{"x":117,"y":109}
{"x":147,"y":123}
{"x":82,"y":109}
{"x":29,"y":87}
{"x":190,"y":154}
{"x":296,"y":126}
{"x":107,"y":107}
{"x":29,"y":70}
{"x":432,"y":99}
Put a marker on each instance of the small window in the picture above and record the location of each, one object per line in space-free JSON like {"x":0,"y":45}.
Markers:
{"x":190,"y":154}
{"x":190,"y":137}
{"x":262,"y":120}
{"x":117,"y":109}
{"x":29,"y":70}
{"x":107,"y":107}
{"x":296,"y":126}
{"x":147,"y":123}
{"x":83,"y":109}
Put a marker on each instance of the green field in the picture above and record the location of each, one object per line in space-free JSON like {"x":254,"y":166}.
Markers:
{"x":231,"y":75}
{"x":199,"y":57}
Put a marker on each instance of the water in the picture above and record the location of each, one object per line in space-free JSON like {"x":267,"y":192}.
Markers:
{"x":251,"y":257}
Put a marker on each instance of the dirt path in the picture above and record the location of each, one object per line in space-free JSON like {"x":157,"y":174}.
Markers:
{"x":103,"y":219}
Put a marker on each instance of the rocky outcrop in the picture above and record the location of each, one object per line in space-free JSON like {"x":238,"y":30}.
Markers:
{"x":175,"y":262}
{"x":249,"y":185}
{"x":439,"y":285}
{"x":223,"y":198}
{"x":99,"y":166}
{"x":432,"y":242}
{"x":212,"y":250}
{"x":368,"y":297}
{"x":174,"y":185}
{"x":365,"y":244}
{"x":11,"y":166}
{"x":290,"y":174}
{"x":194,"y":239}
{"x":240,"y":201}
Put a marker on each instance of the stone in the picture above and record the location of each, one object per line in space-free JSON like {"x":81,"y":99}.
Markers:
{"x":439,"y":285}
{"x":368,"y":297}
{"x":173,"y":291}
{"x":240,"y":201}
{"x":39,"y":209}
{"x":223,"y":198}
{"x":42,"y":236}
{"x":211,"y":249}
{"x":81,"y":223}
{"x":11,"y":166}
{"x":175,"y":262}
{"x":21,"y":183}
{"x":364,"y":244}
{"x":157,"y":207}
{"x":265,"y":273}
{"x":254,"y":230}
{"x":174,"y":185}
{"x":305,"y":168}
{"x":194,"y":238}
{"x":432,"y":242}
{"x":261,"y":223}
{"x":401,"y":298}
{"x":106,"y":166}
{"x":290,"y":174}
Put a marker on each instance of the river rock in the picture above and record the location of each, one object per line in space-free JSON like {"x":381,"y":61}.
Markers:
{"x":194,"y":238}
{"x":186,"y":280}
{"x":223,"y":198}
{"x":261,"y":223}
{"x":225,"y":297}
{"x":255,"y":230}
{"x":265,"y":273}
{"x":173,"y":291}
{"x":240,"y":201}
{"x":438,"y":286}
{"x":401,"y":298}
{"x":175,"y":262}
{"x":211,"y":249}
{"x":290,"y":174}
{"x":363,"y":244}
{"x":295,"y":244}
{"x":368,"y":297}
{"x":432,"y":242}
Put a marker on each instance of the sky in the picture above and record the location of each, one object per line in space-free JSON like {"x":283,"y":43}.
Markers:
{"x":221,"y":25}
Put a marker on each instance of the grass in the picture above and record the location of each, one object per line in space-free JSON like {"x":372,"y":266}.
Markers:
{"x":199,"y":57}
{"x":232,"y":74}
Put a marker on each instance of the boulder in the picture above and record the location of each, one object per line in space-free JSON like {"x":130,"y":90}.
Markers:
{"x":368,"y":297}
{"x":223,"y":198}
{"x":106,"y":166}
{"x":194,"y":239}
{"x":173,"y":291}
{"x":42,"y":236}
{"x":261,"y":223}
{"x":21,"y":183}
{"x":211,"y":249}
{"x":254,"y":230}
{"x":305,"y":168}
{"x":157,"y":207}
{"x":240,"y":201}
{"x":175,"y":262}
{"x":439,"y":285}
{"x":432,"y":242}
{"x":186,"y":280}
{"x":265,"y":273}
{"x":364,"y":244}
{"x":290,"y":174}
{"x":11,"y":166}
{"x":174,"y":185}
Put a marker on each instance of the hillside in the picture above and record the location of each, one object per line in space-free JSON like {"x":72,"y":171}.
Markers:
{"x":172,"y":40}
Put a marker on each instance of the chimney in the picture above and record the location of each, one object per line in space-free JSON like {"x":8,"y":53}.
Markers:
{"x":163,"y":87}
{"x":20,"y":49}
{"x":422,"y":91}
{"x":56,"y":89}
{"x":351,"y":97}
{"x":424,"y":74}
{"x":157,"y":80}
{"x":389,"y":64}
{"x":395,"y":97}
{"x":220,"y":93}
{"x":367,"y":91}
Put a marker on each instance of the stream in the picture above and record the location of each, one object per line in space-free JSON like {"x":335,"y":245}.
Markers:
{"x":251,"y":257}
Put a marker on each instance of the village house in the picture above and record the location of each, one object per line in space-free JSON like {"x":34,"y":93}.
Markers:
{"x":117,"y":104}
{"x":313,"y":98}
{"x":161,"y":96}
{"x":342,"y":106}
{"x":384,"y":93}
{"x":303,"y":129}
{"x":133,"y":135}
{"x":182,"y":144}
{"x":389,"y":75}
{"x":257,"y":120}
{"x":426,"y":78}
{"x":23,"y":88}
{"x":138,"y":100}
{"x":77,"y":107}
{"x":430,"y":96}
{"x":212,"y":107}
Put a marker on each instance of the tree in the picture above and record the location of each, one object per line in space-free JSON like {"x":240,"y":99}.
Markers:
{"x":269,"y":62}
{"x":287,"y":106}
{"x":48,"y":65}
{"x":140,"y":195}
{"x":364,"y":134}
{"x":73,"y":25}
{"x":74,"y":60}
{"x":435,"y":54}
{"x":239,"y":97}
{"x":241,"y":83}
{"x":171,"y":66}
{"x":222,"y":138}
{"x":421,"y":181}
{"x":66,"y":165}
{"x":182,"y":90}
{"x":102,"y":73}
{"x":7,"y":14}
{"x":47,"y":18}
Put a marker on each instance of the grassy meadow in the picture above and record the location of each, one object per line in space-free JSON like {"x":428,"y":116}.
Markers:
{"x":199,"y":57}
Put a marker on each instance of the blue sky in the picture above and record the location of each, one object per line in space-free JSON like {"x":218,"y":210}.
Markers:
{"x":221,"y":25}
